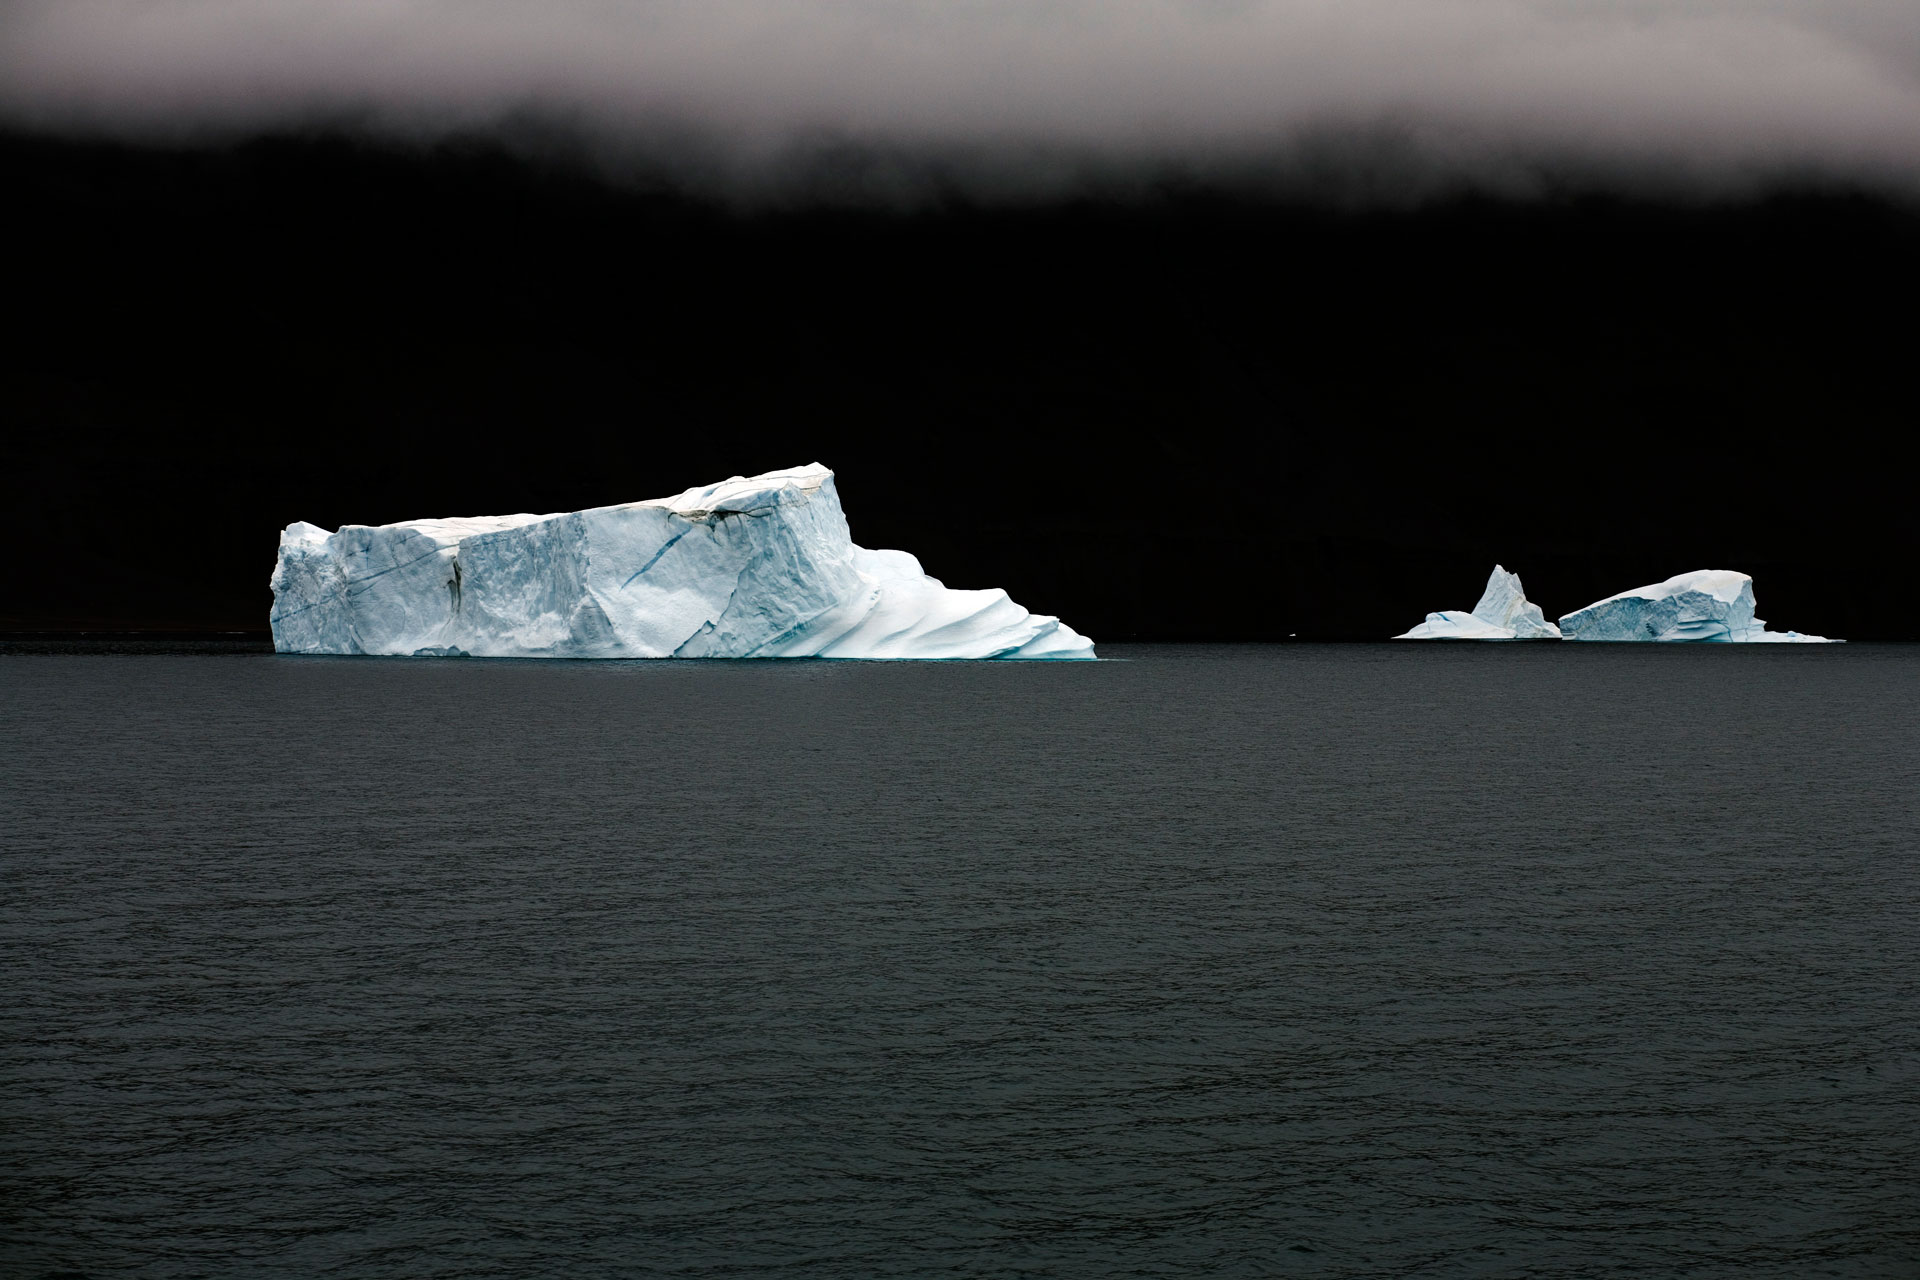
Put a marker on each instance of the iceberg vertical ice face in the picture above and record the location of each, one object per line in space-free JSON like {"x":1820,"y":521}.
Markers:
{"x":1713,"y":606}
{"x":752,"y":567}
{"x":1504,"y":604}
{"x":1503,"y":613}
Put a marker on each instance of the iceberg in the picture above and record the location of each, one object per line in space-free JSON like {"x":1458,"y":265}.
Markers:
{"x":1502,"y":614}
{"x":752,"y":567}
{"x":1707,"y":605}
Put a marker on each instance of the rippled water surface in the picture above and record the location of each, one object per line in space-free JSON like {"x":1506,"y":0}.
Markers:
{"x":1296,"y":961}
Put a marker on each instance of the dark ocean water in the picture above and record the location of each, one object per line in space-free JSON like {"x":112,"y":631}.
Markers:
{"x":1296,"y":961}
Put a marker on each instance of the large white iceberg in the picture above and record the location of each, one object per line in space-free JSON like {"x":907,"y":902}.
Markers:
{"x":1503,"y":613}
{"x":752,"y":567}
{"x":1712,"y":605}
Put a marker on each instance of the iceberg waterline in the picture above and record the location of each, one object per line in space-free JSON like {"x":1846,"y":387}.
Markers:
{"x":752,"y":567}
{"x":1705,"y":606}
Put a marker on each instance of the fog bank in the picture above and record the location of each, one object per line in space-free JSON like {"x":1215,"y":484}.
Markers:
{"x":1375,"y":98}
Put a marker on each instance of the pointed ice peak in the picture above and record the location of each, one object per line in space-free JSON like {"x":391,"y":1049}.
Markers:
{"x":1502,"y":614}
{"x":1504,"y":604}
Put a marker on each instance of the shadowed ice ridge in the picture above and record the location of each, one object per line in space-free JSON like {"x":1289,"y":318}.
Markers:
{"x":1502,"y":614}
{"x":759,"y":567}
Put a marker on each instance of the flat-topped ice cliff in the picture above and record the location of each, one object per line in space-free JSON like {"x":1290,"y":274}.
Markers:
{"x":752,"y":567}
{"x":1503,"y":613}
{"x":1711,"y":605}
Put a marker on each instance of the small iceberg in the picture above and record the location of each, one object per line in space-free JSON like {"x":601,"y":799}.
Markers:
{"x":1504,"y":613}
{"x":1711,"y":606}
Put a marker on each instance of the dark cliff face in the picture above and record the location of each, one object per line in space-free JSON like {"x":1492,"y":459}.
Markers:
{"x":1179,"y":415}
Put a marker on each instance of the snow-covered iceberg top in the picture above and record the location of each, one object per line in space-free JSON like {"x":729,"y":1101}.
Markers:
{"x":752,"y":567}
{"x":1503,"y":613}
{"x":1712,"y":605}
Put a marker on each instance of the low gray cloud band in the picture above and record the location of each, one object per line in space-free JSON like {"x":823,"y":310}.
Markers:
{"x":1700,"y":94}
